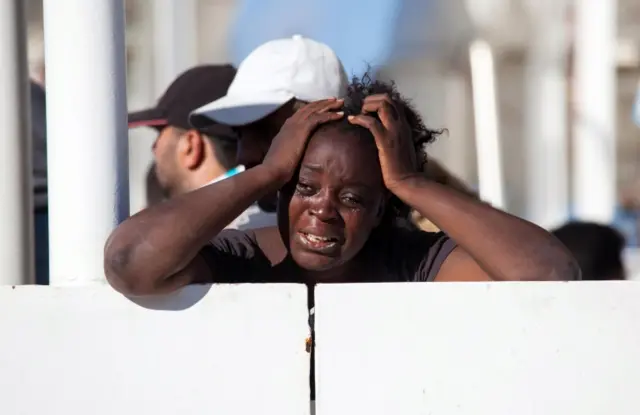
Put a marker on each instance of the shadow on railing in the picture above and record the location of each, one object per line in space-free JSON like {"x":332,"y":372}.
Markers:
{"x":182,"y":299}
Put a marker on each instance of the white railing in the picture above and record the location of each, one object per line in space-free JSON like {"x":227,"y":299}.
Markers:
{"x":410,"y":349}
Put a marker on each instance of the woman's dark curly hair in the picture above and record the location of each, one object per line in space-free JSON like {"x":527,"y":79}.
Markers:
{"x":357,"y":91}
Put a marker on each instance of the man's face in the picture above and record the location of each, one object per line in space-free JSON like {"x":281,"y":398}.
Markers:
{"x":255,"y":138}
{"x":254,"y":141}
{"x":166,"y":160}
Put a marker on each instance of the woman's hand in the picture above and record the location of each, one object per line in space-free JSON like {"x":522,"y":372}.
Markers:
{"x":287,"y":147}
{"x":393,"y":138}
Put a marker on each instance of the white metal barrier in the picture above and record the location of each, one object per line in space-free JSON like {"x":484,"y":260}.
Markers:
{"x":78,"y":351}
{"x":410,"y":349}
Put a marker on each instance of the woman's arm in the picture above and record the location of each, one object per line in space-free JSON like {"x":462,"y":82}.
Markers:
{"x":156,"y":250}
{"x":153,"y":251}
{"x":435,"y":172}
{"x":492,"y":245}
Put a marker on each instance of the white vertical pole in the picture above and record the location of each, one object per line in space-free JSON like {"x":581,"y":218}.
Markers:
{"x":546,"y":144}
{"x":16,"y":189}
{"x":594,"y":89}
{"x":485,"y":110}
{"x":456,"y":115}
{"x":175,"y":36}
{"x":636,"y":106}
{"x":141,"y":94}
{"x":87,"y":134}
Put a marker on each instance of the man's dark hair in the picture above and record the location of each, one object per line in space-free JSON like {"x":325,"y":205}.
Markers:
{"x":225,"y":150}
{"x":359,"y":89}
{"x":597,"y":248}
{"x":224,"y":147}
{"x":154,"y":191}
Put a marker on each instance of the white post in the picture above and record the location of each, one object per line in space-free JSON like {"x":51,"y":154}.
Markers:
{"x":16,"y":189}
{"x":546,"y":143}
{"x":459,"y":156}
{"x":636,"y":106}
{"x":175,"y":36}
{"x":141,"y":92}
{"x":87,"y":134}
{"x":485,"y":110}
{"x":594,"y":90}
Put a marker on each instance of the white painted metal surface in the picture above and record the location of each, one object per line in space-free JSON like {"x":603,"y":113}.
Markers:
{"x":460,"y":159}
{"x":485,"y":110}
{"x":500,"y":349}
{"x":141,"y":94}
{"x":175,"y":37}
{"x":88,"y":350}
{"x":87,"y":134}
{"x":16,"y":190}
{"x":594,"y":98}
{"x":546,"y":115}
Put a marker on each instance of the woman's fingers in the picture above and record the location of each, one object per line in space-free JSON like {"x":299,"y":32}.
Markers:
{"x":320,"y":106}
{"x":331,"y":105}
{"x":369,"y":123}
{"x":323,"y":117}
{"x":383,"y":105}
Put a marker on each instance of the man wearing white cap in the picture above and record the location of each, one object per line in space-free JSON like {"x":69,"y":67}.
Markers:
{"x":274,"y":81}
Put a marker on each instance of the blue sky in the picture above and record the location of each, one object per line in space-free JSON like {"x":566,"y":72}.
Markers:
{"x":360,"y":31}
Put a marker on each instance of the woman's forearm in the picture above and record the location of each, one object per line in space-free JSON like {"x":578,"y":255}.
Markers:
{"x":161,"y":240}
{"x":506,"y":247}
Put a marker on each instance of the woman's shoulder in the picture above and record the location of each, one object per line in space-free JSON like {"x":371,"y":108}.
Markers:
{"x":416,"y":255}
{"x":262,"y":243}
{"x":233,"y":241}
{"x":235,"y":256}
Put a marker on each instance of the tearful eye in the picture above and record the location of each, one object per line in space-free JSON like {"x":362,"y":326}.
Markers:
{"x":350,"y":200}
{"x":304,"y":189}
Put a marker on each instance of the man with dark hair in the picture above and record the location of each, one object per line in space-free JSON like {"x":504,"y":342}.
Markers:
{"x":597,"y":248}
{"x":187,"y":158}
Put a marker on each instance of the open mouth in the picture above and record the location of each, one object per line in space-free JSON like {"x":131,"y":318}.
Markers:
{"x":317,"y":243}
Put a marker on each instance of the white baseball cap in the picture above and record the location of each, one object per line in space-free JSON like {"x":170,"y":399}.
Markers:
{"x":271,"y":76}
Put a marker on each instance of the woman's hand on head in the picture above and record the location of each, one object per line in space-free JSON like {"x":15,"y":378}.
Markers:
{"x":392,"y":133}
{"x":288,"y":146}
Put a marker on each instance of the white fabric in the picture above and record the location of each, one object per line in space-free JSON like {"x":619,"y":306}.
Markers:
{"x":273,"y":74}
{"x":252,"y":218}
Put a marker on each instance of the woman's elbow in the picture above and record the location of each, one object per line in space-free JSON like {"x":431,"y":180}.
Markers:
{"x":128,"y":286}
{"x":118,"y":272}
{"x":566,"y":269}
{"x":121,"y":271}
{"x":559,"y":267}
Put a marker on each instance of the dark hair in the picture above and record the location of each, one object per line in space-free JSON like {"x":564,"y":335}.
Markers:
{"x":224,"y":147}
{"x":154,"y":191}
{"x":225,"y":150}
{"x":397,"y":212}
{"x":597,"y":248}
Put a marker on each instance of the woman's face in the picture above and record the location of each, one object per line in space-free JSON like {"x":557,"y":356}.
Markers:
{"x":336,"y":201}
